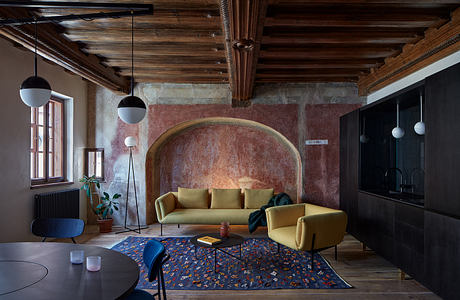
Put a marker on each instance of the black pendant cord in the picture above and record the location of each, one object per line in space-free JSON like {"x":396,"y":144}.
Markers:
{"x":132,"y":53}
{"x":35,"y":58}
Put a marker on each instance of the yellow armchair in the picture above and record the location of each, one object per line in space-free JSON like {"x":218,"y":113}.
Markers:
{"x":306,"y":227}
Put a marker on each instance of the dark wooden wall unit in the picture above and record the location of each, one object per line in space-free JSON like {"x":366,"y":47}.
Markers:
{"x":424,"y":241}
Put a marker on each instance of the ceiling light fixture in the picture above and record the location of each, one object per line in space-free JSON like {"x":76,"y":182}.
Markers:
{"x":397,"y":132}
{"x":132,"y":109}
{"x":35,"y":91}
{"x":419,"y":127}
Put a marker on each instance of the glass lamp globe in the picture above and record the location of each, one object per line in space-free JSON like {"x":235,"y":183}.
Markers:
{"x":363,"y":139}
{"x":35,"y":91}
{"x":131,"y":109}
{"x":130,"y":141}
{"x":397,"y":132}
{"x":419,"y":128}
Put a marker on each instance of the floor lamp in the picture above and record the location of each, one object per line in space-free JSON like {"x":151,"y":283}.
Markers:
{"x":130,"y":142}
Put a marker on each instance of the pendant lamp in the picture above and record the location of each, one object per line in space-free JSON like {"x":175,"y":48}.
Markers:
{"x":397,"y":132}
{"x":363,"y":138}
{"x":419,"y":127}
{"x":132,"y":109}
{"x":35,"y":91}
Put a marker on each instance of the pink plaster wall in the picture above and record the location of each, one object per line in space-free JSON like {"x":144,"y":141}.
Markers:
{"x":321,"y":165}
{"x":226,"y":156}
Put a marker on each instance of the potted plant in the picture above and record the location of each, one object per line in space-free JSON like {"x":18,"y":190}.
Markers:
{"x":104,"y":211}
{"x":90,"y":184}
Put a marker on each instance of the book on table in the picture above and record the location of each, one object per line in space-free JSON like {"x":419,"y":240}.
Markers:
{"x":209,"y":240}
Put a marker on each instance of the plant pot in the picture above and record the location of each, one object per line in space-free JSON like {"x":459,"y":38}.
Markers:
{"x":105,"y":225}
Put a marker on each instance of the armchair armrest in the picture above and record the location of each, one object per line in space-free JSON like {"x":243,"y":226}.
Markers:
{"x":328,"y":228}
{"x":164,"y":205}
{"x":285,"y":215}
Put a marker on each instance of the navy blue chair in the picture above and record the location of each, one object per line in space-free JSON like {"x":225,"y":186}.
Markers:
{"x":154,"y":257}
{"x":57,"y":228}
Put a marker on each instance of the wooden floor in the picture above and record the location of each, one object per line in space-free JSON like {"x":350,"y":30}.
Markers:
{"x":371,"y":276}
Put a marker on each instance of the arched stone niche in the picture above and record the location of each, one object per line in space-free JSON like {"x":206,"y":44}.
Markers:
{"x":221,"y":153}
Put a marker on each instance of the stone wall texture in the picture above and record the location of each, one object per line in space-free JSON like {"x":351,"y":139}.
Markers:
{"x":229,"y":155}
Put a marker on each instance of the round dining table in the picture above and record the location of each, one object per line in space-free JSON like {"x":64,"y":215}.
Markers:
{"x":37,"y":271}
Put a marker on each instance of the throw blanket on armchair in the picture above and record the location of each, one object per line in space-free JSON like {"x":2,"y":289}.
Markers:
{"x":258,"y":218}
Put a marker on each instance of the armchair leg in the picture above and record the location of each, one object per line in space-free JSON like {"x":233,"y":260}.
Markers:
{"x":73,"y":240}
{"x":163,"y":282}
{"x":178,"y":225}
{"x":158,"y":285}
{"x":161,"y":229}
{"x":278,"y":247}
{"x":44,"y":239}
{"x":335,"y":252}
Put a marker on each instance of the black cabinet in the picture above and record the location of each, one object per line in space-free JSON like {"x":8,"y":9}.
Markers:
{"x":443,"y":142}
{"x":423,"y":241}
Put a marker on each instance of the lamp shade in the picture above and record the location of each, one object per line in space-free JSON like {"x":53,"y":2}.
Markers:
{"x":131,"y":109}
{"x":35,"y":91}
{"x":419,"y":128}
{"x":130,"y":141}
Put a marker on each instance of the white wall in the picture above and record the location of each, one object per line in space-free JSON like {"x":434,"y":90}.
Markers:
{"x":415,"y":77}
{"x":16,"y":197}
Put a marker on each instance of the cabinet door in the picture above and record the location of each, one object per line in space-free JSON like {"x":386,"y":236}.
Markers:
{"x":349,"y":151}
{"x":442,"y":190}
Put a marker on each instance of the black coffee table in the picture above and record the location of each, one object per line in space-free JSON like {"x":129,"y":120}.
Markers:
{"x":232,"y":241}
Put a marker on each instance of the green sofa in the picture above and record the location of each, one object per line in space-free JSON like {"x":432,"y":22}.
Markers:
{"x":187,"y":207}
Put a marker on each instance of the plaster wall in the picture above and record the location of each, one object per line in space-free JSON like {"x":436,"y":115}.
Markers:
{"x":297,"y":111}
{"x":17,"y":198}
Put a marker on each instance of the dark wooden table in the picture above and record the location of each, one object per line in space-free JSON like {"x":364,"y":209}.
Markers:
{"x":43,"y":271}
{"x":231,"y":241}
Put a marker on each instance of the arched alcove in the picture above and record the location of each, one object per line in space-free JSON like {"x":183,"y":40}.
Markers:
{"x":202,"y":127}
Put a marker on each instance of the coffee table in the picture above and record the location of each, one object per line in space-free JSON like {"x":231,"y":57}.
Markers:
{"x":232,"y":241}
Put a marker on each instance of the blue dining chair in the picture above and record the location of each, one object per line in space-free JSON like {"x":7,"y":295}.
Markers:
{"x":154,"y":256}
{"x":57,"y":228}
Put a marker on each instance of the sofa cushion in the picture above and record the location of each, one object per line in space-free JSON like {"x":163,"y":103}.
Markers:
{"x":226,"y":198}
{"x":256,"y":198}
{"x":193,"y":198}
{"x":236,"y":216}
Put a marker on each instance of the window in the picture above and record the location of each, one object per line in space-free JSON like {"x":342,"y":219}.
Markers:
{"x":47,"y":143}
{"x":94,"y":163}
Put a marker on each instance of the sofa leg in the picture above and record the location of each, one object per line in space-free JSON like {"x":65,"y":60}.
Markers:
{"x":335,"y":252}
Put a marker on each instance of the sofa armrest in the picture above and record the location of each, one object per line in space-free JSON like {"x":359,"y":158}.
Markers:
{"x":164,"y":205}
{"x":285,"y":215}
{"x":328,"y":228}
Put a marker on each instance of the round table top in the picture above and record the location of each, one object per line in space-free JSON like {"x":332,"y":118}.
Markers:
{"x":44,"y":271}
{"x":232,"y":240}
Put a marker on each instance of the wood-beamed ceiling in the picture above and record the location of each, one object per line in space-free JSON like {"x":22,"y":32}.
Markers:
{"x":185,"y":41}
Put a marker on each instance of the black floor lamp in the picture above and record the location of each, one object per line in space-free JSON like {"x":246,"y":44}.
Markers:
{"x":131,"y":142}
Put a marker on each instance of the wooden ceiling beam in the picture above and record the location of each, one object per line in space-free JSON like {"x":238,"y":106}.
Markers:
{"x":327,"y":53}
{"x":113,"y":50}
{"x":243,"y":22}
{"x":318,"y":64}
{"x":178,"y":79}
{"x":307,"y":79}
{"x":437,"y":44}
{"x":167,"y":65}
{"x":349,"y":20}
{"x":59,"y":50}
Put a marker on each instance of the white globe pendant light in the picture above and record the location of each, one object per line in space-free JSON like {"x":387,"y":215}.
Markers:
{"x":397,"y":132}
{"x":35,"y":91}
{"x":419,"y":127}
{"x":130,"y":141}
{"x":132,"y":109}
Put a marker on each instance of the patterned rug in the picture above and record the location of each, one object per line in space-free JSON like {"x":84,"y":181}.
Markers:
{"x":264,"y":268}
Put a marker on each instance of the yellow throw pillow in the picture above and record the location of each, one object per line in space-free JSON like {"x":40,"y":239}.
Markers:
{"x":192,"y":198}
{"x":226,"y":198}
{"x":254,"y":198}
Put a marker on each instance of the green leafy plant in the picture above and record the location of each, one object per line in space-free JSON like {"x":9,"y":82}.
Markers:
{"x":90,"y":184}
{"x":105,"y":209}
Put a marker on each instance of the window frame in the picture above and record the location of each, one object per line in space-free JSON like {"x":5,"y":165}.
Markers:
{"x":86,"y":170}
{"x":47,"y":179}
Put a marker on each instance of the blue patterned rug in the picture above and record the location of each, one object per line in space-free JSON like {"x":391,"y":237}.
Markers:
{"x":264,"y":268}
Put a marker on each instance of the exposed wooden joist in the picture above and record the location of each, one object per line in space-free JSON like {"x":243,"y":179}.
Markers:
{"x":63,"y":52}
{"x":438,"y":43}
{"x":245,"y":25}
{"x":317,"y":64}
{"x":326,"y":53}
{"x":307,"y":79}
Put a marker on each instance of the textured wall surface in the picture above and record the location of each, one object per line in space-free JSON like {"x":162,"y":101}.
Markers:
{"x":226,"y":156}
{"x":297,"y":111}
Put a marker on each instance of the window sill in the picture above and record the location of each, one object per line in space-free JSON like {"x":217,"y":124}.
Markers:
{"x":51,"y":184}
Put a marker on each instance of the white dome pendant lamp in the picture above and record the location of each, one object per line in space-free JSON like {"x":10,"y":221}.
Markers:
{"x":397,"y":132}
{"x":419,"y":127}
{"x":132,"y":109}
{"x":35,"y":91}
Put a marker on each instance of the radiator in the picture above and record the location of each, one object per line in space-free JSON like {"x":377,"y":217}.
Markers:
{"x":59,"y":204}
